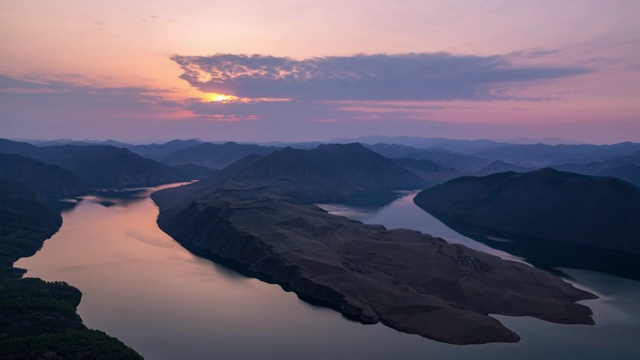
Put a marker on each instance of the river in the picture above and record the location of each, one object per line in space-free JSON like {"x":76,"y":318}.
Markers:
{"x":142,"y":287}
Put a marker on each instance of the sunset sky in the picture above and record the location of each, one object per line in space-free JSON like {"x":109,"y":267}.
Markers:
{"x":145,"y":71}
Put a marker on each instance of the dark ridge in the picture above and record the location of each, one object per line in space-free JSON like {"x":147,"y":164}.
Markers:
{"x":328,"y":172}
{"x":50,"y":181}
{"x":546,"y":204}
{"x":108,"y":166}
{"x":99,"y":165}
{"x":38,"y":319}
{"x":20,"y":148}
{"x":25,"y":222}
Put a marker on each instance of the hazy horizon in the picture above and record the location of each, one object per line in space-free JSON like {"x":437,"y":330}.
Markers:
{"x":254,"y":72}
{"x":517,"y":141}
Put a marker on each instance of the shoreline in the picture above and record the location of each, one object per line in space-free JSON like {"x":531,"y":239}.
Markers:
{"x":546,"y":254}
{"x":39,"y":318}
{"x":321,"y":279}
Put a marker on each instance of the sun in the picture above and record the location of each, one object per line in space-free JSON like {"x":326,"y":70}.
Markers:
{"x":215,"y":97}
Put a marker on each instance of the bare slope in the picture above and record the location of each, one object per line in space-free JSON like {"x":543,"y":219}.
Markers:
{"x":408,"y":280}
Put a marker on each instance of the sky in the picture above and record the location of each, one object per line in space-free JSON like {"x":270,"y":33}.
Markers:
{"x":143,"y":71}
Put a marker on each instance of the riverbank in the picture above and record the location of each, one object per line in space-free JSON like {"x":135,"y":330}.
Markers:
{"x":38,"y":319}
{"x":370,"y":273}
{"x":147,"y":290}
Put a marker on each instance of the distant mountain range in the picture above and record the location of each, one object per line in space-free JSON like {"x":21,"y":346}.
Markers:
{"x":99,"y":165}
{"x":624,"y":167}
{"x":539,"y":155}
{"x":428,"y":170}
{"x":194,"y":159}
{"x":444,"y":158}
{"x":215,"y":156}
{"x":628,"y":172}
{"x":324,"y":174}
{"x":160,"y":151}
{"x":500,"y":166}
{"x":332,"y":169}
{"x":455,"y":145}
{"x":109,"y":166}
{"x":619,"y":160}
{"x":546,"y":204}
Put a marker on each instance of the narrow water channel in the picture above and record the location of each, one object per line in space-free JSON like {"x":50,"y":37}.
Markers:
{"x":142,"y":287}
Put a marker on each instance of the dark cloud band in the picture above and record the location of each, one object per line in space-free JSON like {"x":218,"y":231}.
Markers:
{"x":408,"y":77}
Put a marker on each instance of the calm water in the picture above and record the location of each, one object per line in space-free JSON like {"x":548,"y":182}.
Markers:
{"x":142,"y":287}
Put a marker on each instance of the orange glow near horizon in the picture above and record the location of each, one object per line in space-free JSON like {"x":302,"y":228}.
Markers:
{"x":225,"y":98}
{"x":215,"y":97}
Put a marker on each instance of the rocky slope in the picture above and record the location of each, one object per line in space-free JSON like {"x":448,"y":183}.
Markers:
{"x":250,"y":217}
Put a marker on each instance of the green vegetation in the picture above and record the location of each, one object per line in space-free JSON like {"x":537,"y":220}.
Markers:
{"x":78,"y":344}
{"x":25,"y":222}
{"x":38,"y":319}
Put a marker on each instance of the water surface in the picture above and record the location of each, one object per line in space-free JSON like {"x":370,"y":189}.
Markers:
{"x":144,"y":288}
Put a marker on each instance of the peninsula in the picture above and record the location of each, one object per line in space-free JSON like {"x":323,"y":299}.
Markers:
{"x":258,"y":216}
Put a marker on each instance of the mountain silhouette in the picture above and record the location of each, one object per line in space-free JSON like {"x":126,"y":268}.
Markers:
{"x":545,"y":204}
